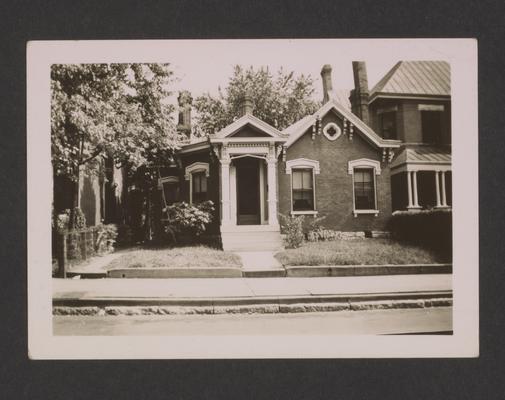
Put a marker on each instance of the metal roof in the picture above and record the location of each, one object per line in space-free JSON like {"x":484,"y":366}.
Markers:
{"x":428,"y":78}
{"x":422,"y":154}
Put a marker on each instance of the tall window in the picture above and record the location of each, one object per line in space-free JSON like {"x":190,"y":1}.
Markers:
{"x":364,"y":189}
{"x":171,"y":192}
{"x":432,"y":126}
{"x":387,"y":121}
{"x":199,"y":188}
{"x":303,"y":190}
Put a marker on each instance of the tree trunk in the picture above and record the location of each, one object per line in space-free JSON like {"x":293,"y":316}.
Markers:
{"x":75,"y":202}
{"x":148,"y":233}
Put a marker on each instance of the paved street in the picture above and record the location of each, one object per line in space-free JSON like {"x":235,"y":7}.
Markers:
{"x":396,"y":321}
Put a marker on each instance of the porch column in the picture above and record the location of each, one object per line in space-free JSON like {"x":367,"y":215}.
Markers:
{"x":437,"y":186}
{"x":225,"y":192}
{"x":414,"y":175}
{"x":272,"y":192}
{"x":409,"y":189}
{"x":444,"y":199}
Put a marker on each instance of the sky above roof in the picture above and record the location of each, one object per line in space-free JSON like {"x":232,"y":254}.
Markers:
{"x":203,"y":66}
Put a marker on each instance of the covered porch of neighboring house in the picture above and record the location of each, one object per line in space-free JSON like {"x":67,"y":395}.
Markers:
{"x":421,"y":178}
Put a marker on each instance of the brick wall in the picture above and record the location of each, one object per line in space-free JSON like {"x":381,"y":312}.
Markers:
{"x":333,"y":186}
{"x":408,"y":118}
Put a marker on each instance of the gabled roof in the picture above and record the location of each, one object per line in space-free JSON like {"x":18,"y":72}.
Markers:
{"x":341,"y":96}
{"x":248,"y":119}
{"x":297,"y":130}
{"x":415,"y":78}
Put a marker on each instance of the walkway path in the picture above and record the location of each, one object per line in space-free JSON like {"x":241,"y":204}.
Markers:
{"x":253,"y":288}
{"x":258,"y":260}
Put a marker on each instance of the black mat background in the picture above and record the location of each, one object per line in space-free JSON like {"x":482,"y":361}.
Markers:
{"x":20,"y":378}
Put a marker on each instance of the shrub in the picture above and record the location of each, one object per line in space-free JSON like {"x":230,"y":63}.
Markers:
{"x":188,"y":220}
{"x":61,"y":221}
{"x":105,"y":238}
{"x":431,"y":228}
{"x":321,"y":234}
{"x":292,"y":226}
{"x":124,"y":235}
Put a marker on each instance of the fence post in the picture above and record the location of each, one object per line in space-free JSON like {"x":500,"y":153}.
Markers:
{"x":62,"y":255}
{"x":84,"y":252}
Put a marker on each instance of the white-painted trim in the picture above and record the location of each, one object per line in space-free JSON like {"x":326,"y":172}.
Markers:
{"x":367,"y":132}
{"x":431,"y":107}
{"x":400,"y":96}
{"x":357,"y":212}
{"x":420,"y":166}
{"x":302,"y":163}
{"x":337,"y":129}
{"x":314,"y":212}
{"x":167,"y":179}
{"x":244,"y":120}
{"x":196,"y":167}
{"x":188,"y":175}
{"x":363,"y":163}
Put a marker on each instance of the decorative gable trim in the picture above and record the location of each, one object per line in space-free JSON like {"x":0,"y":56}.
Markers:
{"x":245,"y":120}
{"x":367,"y":132}
{"x":196,"y":167}
{"x":302,"y":163}
{"x":364,"y":163}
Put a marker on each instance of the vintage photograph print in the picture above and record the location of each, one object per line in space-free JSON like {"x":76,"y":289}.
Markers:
{"x":187,"y":197}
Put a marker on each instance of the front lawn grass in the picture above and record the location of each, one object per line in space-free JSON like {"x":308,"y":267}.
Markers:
{"x":179,"y":257}
{"x":359,"y":252}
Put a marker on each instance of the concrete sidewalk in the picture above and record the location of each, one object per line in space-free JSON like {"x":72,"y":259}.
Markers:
{"x":249,"y":290}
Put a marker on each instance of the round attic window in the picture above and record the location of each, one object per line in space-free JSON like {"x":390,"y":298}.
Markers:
{"x":332,"y":131}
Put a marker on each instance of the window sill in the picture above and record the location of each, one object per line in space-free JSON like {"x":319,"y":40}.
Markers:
{"x":356,"y":212}
{"x":308,"y":212}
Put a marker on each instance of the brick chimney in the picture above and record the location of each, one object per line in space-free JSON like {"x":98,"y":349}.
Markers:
{"x":246,"y":104}
{"x":360,"y":94}
{"x":184,"y":124}
{"x":327,"y":84}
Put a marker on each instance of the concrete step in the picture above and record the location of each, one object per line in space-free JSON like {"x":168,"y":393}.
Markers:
{"x":252,"y":240}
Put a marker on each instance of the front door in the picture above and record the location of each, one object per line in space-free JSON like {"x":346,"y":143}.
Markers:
{"x":248,"y":193}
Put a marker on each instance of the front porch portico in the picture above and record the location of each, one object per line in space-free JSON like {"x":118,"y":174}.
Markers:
{"x":248,"y":151}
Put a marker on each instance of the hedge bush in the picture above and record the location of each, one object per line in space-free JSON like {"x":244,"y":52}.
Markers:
{"x":187,"y":222}
{"x":431,"y":228}
{"x":292,"y":227}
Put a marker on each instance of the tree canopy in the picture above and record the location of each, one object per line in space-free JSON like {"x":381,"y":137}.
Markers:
{"x":279,"y":99}
{"x":115,"y":110}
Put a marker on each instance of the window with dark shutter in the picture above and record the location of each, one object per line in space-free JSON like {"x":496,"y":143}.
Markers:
{"x":387,"y":121}
{"x":431,"y":126}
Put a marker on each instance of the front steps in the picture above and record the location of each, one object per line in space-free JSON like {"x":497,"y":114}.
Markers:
{"x":251,"y":238}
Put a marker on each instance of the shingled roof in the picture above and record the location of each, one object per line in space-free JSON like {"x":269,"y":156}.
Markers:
{"x":421,"y":78}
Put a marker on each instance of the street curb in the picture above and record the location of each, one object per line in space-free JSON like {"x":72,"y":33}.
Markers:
{"x":252,"y":309}
{"x":268,"y":304}
{"x":165,"y":273}
{"x":309,"y":271}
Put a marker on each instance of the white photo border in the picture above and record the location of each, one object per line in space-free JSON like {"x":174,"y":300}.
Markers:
{"x":462,"y":56}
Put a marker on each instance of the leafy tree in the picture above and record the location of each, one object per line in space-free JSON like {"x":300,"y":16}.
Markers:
{"x":110,"y":110}
{"x":279,"y":99}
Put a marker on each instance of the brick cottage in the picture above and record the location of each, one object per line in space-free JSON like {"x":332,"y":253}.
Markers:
{"x":353,"y":161}
{"x":358,"y":158}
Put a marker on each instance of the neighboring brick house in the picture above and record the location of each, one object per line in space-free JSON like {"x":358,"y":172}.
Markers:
{"x":389,"y":150}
